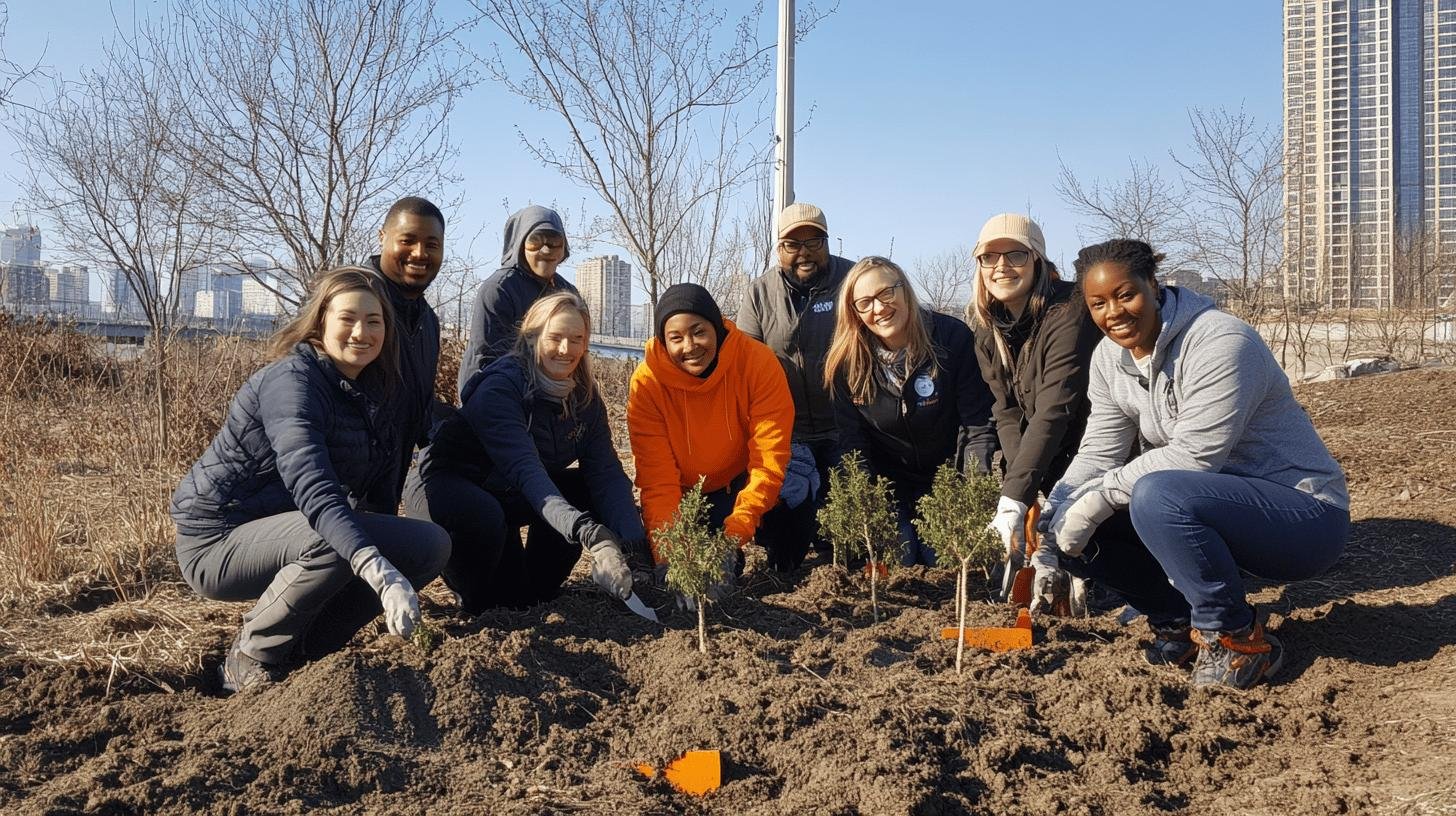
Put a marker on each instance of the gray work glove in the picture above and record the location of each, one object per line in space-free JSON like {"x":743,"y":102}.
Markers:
{"x":801,"y":477}
{"x":729,"y":577}
{"x":1073,"y":526}
{"x":1010,"y":524}
{"x":609,"y":567}
{"x":401,"y":604}
{"x":1051,"y":581}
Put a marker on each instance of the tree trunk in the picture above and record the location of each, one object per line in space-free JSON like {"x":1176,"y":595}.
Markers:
{"x":703,"y":625}
{"x":160,"y":381}
{"x":961,"y":611}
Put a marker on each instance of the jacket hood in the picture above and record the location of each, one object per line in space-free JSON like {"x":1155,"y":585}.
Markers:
{"x":730,"y":356}
{"x":521,"y":224}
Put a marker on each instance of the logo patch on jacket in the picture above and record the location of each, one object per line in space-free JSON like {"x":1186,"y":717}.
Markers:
{"x":924,"y":386}
{"x":823,"y":306}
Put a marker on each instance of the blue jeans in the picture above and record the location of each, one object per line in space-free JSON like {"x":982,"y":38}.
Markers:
{"x":1176,"y":552}
{"x":916,"y":551}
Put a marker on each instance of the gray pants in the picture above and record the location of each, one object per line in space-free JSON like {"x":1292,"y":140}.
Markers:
{"x":309,"y":601}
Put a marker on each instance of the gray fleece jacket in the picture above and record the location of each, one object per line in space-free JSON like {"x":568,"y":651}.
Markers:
{"x":1217,"y":402}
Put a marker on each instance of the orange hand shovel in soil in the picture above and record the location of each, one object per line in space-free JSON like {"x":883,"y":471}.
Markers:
{"x":695,"y":772}
{"x":997,"y":638}
{"x":1021,"y":584}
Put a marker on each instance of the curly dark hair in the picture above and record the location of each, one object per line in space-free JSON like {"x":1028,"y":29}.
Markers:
{"x":1137,"y":257}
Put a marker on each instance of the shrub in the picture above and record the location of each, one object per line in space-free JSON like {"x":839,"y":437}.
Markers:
{"x":952,"y":519}
{"x":858,"y":518}
{"x":695,"y":554}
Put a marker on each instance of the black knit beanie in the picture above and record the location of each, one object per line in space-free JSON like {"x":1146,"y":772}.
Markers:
{"x":689,"y":297}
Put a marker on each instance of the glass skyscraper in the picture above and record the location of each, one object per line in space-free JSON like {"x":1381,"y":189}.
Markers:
{"x":1370,"y":151}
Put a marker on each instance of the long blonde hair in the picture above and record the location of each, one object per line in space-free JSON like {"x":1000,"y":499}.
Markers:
{"x":987,"y":314}
{"x":308,"y":324}
{"x":853,"y":346}
{"x":540,"y":313}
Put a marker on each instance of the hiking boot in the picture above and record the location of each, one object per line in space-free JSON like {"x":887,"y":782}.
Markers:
{"x":1172,"y":645}
{"x":1236,"y":659}
{"x":239,"y":671}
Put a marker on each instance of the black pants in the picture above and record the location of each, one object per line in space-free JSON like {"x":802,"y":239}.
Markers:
{"x":489,"y":566}
{"x":788,"y":532}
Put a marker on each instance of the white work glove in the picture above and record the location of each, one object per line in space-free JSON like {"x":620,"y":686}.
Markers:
{"x":401,"y":604}
{"x":1010,"y":523}
{"x":1073,"y":526}
{"x":609,"y":567}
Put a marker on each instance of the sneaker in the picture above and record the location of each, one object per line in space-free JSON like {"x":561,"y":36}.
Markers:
{"x":1236,"y":659}
{"x":1172,"y":645}
{"x":239,"y":671}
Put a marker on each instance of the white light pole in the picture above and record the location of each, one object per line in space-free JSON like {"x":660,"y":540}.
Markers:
{"x":783,"y":189}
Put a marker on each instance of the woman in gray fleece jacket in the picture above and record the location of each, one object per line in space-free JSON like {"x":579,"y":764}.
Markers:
{"x":1197,"y":463}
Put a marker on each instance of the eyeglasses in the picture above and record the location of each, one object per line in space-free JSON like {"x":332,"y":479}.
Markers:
{"x":535,"y":242}
{"x":811,"y":244}
{"x":1016,"y":257}
{"x":886,"y":296}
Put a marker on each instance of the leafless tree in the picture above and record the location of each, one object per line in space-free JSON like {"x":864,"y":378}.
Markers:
{"x":12,"y":73}
{"x":311,"y":116}
{"x":946,"y":279}
{"x":100,"y":170}
{"x":663,"y":107}
{"x":1234,"y":179}
{"x":1144,"y":206}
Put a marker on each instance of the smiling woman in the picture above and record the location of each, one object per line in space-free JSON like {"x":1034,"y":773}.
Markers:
{"x":270,"y":510}
{"x":504,"y":462}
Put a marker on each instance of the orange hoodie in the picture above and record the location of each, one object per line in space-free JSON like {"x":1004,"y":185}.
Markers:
{"x":737,"y":419}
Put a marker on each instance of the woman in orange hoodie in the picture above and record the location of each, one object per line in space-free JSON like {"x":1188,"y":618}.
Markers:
{"x":708,"y":401}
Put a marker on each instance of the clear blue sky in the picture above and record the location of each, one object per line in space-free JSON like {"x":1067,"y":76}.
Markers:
{"x":928,"y":117}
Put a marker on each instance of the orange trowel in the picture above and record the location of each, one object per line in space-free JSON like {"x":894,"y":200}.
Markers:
{"x":996,"y":638}
{"x":695,"y":772}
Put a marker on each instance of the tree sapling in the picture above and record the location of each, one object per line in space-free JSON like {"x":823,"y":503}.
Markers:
{"x":695,"y":554}
{"x":858,"y":518}
{"x":953,"y":520}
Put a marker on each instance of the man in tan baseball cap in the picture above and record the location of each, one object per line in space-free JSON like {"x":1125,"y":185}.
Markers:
{"x":791,"y":309}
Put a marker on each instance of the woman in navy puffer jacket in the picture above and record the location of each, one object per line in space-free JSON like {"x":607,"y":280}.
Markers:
{"x":268,"y":511}
{"x":504,"y":462}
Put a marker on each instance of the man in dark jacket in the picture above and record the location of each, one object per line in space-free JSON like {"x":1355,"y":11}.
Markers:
{"x":535,"y":245}
{"x":790,"y":308}
{"x":412,"y":247}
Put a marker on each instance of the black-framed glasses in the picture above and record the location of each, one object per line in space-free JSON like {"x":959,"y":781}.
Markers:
{"x":1016,"y":257}
{"x":885,"y":296}
{"x":811,"y":244}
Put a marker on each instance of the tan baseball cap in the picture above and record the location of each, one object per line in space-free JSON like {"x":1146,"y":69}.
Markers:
{"x":1015,"y":226}
{"x":800,"y":214}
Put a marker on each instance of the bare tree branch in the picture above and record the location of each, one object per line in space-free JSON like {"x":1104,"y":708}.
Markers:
{"x":945,"y":280}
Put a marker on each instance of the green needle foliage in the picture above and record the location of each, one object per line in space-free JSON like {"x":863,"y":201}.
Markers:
{"x":695,"y":554}
{"x":952,"y":520}
{"x":858,"y":518}
{"x":427,"y":638}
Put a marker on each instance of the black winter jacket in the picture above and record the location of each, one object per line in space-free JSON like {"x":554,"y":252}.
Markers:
{"x":411,"y":402}
{"x":1041,"y":407}
{"x":512,"y":442}
{"x":937,"y":419}
{"x":298,"y":436}
{"x":800,"y":339}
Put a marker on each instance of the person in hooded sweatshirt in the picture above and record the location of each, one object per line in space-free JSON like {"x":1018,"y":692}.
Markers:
{"x":535,"y":245}
{"x":272,"y":510}
{"x":504,"y":461}
{"x":708,"y":401}
{"x":908,"y":395}
{"x":411,"y":249}
{"x":1197,"y":464}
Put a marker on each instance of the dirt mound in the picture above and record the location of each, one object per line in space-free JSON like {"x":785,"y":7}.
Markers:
{"x":816,"y":708}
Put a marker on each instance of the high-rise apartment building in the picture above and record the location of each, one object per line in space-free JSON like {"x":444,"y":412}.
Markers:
{"x":117,"y":297}
{"x":20,"y":246}
{"x":258,"y":300}
{"x":1370,"y":150}
{"x":605,"y":283}
{"x":70,"y":287}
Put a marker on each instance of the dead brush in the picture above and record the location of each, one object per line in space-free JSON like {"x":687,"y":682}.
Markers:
{"x":37,"y":528}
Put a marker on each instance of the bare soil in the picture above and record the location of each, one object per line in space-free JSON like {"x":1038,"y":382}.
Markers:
{"x":816,"y":708}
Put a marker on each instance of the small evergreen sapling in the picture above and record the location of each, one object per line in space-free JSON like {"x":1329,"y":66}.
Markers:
{"x":952,"y":520}
{"x":695,"y":554}
{"x":858,"y":517}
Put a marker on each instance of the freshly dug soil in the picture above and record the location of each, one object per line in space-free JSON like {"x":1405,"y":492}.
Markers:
{"x":815,"y":707}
